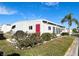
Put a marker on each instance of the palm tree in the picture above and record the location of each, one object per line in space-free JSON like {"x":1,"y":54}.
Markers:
{"x":76,"y":22}
{"x":68,"y":18}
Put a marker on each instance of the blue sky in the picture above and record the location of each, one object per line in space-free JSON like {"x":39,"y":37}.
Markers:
{"x":11,"y":12}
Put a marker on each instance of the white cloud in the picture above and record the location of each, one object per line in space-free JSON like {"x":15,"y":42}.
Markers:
{"x":50,"y":3}
{"x":6,"y":11}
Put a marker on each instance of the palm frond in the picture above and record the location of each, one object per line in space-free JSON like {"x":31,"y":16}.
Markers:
{"x":67,"y":18}
{"x":75,"y":21}
{"x":64,"y":19}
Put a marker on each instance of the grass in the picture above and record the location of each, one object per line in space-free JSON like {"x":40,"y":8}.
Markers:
{"x":56,"y":47}
{"x":6,"y":47}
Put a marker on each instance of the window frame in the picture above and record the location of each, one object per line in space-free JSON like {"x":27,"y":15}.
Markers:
{"x":49,"y":27}
{"x":30,"y":27}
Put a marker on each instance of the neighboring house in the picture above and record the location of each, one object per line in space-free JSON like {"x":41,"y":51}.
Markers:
{"x":6,"y":28}
{"x":38,"y":26}
{"x":66,"y":30}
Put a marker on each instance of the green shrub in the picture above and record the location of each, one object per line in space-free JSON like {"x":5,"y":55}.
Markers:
{"x":75,"y":30}
{"x":46,"y":36}
{"x":25,"y":39}
{"x":53,"y":35}
{"x":64,"y":33}
{"x":36,"y":38}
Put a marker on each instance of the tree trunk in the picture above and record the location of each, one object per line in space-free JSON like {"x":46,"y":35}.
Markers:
{"x":69,"y":31}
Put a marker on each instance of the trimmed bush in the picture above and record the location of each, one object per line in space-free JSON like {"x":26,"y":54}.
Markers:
{"x":36,"y":38}
{"x":46,"y":36}
{"x":64,"y":33}
{"x":25,"y":40}
{"x":74,"y":30}
{"x":53,"y":35}
{"x":22,"y":39}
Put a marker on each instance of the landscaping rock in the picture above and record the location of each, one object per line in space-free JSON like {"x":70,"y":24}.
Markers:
{"x":29,"y":47}
{"x":45,"y":42}
{"x":39,"y":44}
{"x":52,"y":39}
{"x":17,"y":47}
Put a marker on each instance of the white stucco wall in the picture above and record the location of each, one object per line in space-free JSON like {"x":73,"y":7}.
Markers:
{"x":24,"y":25}
{"x":44,"y":28}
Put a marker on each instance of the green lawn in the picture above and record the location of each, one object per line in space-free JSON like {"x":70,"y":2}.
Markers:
{"x":56,"y":47}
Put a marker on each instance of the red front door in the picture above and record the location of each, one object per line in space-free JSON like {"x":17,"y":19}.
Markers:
{"x":37,"y":28}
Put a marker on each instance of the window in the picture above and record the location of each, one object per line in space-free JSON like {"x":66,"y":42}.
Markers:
{"x":30,"y":28}
{"x":44,"y":21}
{"x":49,"y":28}
{"x":14,"y":26}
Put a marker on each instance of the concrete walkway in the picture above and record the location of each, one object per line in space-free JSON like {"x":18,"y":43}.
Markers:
{"x":78,"y":45}
{"x":73,"y":50}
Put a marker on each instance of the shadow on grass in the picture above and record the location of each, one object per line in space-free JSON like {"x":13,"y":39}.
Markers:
{"x":1,"y":53}
{"x":13,"y":54}
{"x":2,"y":37}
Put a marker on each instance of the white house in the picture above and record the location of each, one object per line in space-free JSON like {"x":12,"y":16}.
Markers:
{"x":37,"y":26}
{"x":6,"y":28}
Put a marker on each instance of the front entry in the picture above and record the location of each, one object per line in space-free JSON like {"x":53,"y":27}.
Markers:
{"x":37,"y":28}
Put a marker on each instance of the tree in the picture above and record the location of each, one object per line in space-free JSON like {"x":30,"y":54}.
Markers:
{"x":68,"y":18}
{"x":76,"y":22}
{"x":74,"y":30}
